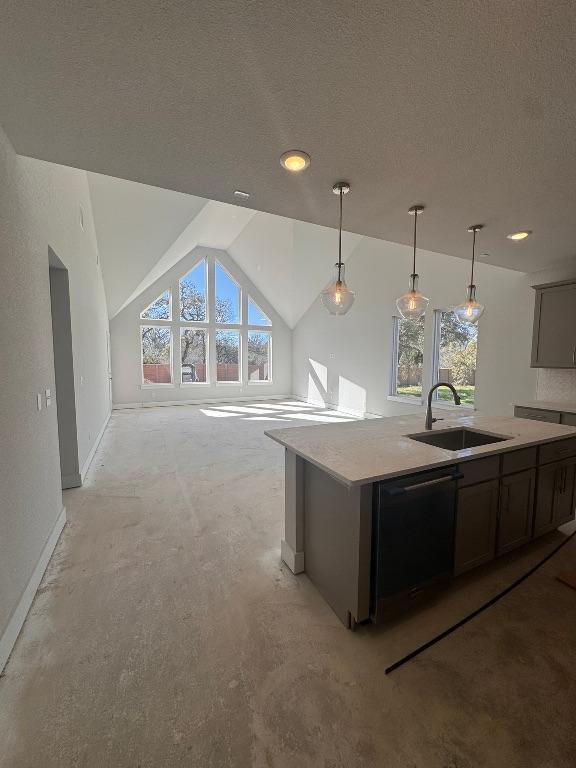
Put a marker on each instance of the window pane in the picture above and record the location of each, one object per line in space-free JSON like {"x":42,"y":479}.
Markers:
{"x":255,"y":314}
{"x":410,"y":350}
{"x":258,"y":356}
{"x":156,"y":358}
{"x":227,"y":297}
{"x":457,"y":358}
{"x":227,"y":356}
{"x":193,"y":351}
{"x":193,"y":294}
{"x":159,"y":309}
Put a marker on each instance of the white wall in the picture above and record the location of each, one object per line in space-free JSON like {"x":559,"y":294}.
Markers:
{"x":39,"y":208}
{"x":127,"y":386}
{"x":346,"y":361}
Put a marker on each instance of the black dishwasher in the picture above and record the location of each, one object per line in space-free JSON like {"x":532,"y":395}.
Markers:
{"x":413,"y":522}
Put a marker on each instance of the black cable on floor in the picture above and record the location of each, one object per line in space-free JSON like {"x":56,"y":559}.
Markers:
{"x":475,"y":613}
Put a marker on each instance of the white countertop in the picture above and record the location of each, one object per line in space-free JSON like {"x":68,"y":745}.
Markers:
{"x":361,"y":452}
{"x":549,"y":405}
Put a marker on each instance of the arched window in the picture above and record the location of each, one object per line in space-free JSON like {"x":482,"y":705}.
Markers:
{"x":206,"y":329}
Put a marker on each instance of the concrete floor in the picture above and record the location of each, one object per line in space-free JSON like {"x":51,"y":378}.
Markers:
{"x":167,"y":633}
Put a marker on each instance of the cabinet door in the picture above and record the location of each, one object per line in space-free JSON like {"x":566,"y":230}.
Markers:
{"x":564,"y":497}
{"x":554,"y":339}
{"x":545,"y":499}
{"x":516,"y":510}
{"x":476,"y":518}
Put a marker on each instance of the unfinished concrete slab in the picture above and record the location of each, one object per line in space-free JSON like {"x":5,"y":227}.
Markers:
{"x":167,"y":632}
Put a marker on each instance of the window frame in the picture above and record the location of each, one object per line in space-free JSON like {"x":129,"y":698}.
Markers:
{"x":435,"y":362}
{"x":241,"y":292}
{"x":247,"y":292}
{"x":393,"y":388}
{"x":180,"y":320}
{"x":159,"y":319}
{"x":158,"y":324}
{"x":195,"y":327}
{"x":268,"y":331}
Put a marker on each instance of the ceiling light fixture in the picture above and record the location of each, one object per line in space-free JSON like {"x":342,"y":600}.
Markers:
{"x":519,"y":235}
{"x":471,"y":310}
{"x":295,"y":160}
{"x":336,"y":297}
{"x":412,"y":305}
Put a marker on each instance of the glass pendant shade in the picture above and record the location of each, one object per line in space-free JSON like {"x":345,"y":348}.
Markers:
{"x":337,"y":298}
{"x":412,"y":305}
{"x":471,"y":310}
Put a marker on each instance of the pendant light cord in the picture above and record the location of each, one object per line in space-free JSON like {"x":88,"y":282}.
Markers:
{"x":473,"y":253}
{"x":414,"y":253}
{"x":340,"y":241}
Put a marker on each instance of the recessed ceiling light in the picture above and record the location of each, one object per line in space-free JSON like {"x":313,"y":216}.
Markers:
{"x":519,"y":235}
{"x":295,"y":160}
{"x":241,"y":195}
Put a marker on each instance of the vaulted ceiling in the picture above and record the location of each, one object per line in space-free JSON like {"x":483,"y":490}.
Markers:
{"x":144,"y":231}
{"x":468,"y":107}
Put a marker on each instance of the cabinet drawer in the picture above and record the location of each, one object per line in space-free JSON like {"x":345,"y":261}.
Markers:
{"x":538,"y":414}
{"x":517,"y":461}
{"x":478,"y":470}
{"x":561,"y":449}
{"x":568,"y":418}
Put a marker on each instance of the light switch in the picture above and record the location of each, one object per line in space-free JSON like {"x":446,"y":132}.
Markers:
{"x":48,"y":394}
{"x":48,"y":402}
{"x":39,"y":401}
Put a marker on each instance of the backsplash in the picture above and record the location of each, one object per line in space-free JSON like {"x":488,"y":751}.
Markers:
{"x":556,"y":384}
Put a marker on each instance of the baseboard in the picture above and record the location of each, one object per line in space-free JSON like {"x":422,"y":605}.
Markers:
{"x":71,"y":481}
{"x":86,"y":465}
{"x":205,"y":401}
{"x":335,"y":406}
{"x":18,"y":617}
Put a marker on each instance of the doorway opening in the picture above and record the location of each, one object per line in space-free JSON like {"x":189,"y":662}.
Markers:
{"x":64,"y":371}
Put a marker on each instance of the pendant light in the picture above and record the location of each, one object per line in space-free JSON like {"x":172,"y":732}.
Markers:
{"x":471,"y":310}
{"x":412,"y":305}
{"x":336,"y":297}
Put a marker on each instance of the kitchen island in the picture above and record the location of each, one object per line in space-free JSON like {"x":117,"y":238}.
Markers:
{"x":375,"y":514}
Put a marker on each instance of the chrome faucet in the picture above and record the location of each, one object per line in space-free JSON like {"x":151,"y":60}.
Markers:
{"x":429,"y":419}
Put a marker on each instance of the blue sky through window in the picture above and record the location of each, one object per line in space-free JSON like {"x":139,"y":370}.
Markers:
{"x":255,"y":314}
{"x":193,"y":294}
{"x":227,"y":297}
{"x":159,"y":309}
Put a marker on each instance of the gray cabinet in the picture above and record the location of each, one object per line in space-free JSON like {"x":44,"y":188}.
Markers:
{"x":545,"y":414}
{"x":555,"y":496}
{"x":476,"y":519}
{"x":516,"y":510}
{"x":554,"y":333}
{"x":537,"y":414}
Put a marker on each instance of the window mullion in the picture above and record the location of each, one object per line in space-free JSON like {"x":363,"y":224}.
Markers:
{"x":211,"y":303}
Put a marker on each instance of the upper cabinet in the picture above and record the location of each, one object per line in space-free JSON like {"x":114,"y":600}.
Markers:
{"x":554,"y":339}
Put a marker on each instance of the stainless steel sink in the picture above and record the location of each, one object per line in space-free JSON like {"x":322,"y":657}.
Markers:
{"x":457,"y":439}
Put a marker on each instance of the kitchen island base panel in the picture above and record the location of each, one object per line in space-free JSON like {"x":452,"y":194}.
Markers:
{"x":292,"y":545}
{"x":294,"y":560}
{"x":337,"y":543}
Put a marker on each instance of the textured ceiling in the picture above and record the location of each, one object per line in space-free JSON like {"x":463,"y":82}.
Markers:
{"x":468,"y":107}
